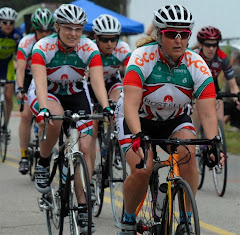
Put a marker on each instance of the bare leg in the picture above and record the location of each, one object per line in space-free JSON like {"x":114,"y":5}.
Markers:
{"x":135,"y":186}
{"x":9,"y":91}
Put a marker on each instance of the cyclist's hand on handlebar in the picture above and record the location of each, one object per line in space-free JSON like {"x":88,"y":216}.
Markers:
{"x":43,"y":113}
{"x":20,"y":93}
{"x":212,"y":161}
{"x":138,"y":144}
{"x":108,"y":113}
{"x":237,"y":103}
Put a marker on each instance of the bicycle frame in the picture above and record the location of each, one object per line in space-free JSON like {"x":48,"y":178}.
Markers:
{"x":173,"y":176}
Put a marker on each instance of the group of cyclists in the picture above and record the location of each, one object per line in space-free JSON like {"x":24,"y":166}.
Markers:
{"x":58,"y":69}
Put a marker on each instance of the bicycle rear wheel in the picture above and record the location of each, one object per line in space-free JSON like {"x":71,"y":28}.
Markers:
{"x":54,"y":210}
{"x":148,"y":221}
{"x":3,"y":131}
{"x":220,"y":173}
{"x":98,"y":173}
{"x":200,"y":160}
{"x":181,"y":194}
{"x":80,"y":189}
{"x":117,"y":174}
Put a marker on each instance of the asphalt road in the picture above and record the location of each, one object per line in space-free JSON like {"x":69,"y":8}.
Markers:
{"x":20,"y":215}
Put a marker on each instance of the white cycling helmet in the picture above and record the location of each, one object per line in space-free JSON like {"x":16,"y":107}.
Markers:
{"x":42,"y":19}
{"x":7,"y":13}
{"x":107,"y":25}
{"x":174,"y":16}
{"x":70,"y":14}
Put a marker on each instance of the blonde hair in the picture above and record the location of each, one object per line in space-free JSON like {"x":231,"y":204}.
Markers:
{"x":155,"y":36}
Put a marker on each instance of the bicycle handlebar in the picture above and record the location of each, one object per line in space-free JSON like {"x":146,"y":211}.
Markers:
{"x":225,"y":94}
{"x":70,"y":117}
{"x":214,"y":142}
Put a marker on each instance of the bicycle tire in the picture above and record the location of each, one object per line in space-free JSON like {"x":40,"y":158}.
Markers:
{"x":117,"y":176}
{"x":219,"y":173}
{"x":200,"y":160}
{"x":3,"y":131}
{"x":99,"y":173}
{"x":180,"y":193}
{"x":54,"y":214}
{"x":80,"y":171}
{"x":33,"y":150}
{"x":147,"y":220}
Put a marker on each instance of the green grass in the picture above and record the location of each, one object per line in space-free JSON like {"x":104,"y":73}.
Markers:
{"x":232,"y":139}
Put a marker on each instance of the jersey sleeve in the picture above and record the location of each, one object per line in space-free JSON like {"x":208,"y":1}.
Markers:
{"x":201,"y":75}
{"x":226,"y":65}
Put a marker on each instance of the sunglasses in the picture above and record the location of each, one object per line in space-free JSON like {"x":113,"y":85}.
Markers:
{"x":173,"y":34}
{"x":105,"y":40}
{"x":46,"y":31}
{"x":69,"y":29}
{"x":210,"y":44}
{"x":8,"y":22}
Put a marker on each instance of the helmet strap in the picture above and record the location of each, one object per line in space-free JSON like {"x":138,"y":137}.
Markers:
{"x":67,"y":48}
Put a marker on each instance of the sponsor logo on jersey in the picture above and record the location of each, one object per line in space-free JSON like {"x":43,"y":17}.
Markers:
{"x":64,"y":77}
{"x":146,"y":58}
{"x":199,"y":64}
{"x":27,"y":43}
{"x":121,"y":50}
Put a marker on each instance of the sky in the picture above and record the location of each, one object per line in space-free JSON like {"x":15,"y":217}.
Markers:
{"x":223,"y":14}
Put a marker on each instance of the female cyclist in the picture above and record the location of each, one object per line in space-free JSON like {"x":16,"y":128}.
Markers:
{"x":115,"y":55}
{"x":59,"y":63}
{"x":217,"y":61}
{"x":42,"y":23}
{"x":9,"y":39}
{"x":161,"y":79}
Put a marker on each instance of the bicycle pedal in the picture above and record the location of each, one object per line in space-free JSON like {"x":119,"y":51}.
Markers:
{"x":41,"y":204}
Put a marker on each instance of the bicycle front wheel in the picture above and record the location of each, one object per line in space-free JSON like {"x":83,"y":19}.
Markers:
{"x":183,"y":202}
{"x":33,"y":150}
{"x":3,"y":131}
{"x":54,"y":213}
{"x":117,"y":174}
{"x":80,"y":193}
{"x":99,"y":178}
{"x":219,"y":172}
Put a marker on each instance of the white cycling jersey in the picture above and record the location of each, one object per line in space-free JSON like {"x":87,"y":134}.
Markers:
{"x":25,"y":47}
{"x":167,"y":92}
{"x":66,"y":71}
{"x":111,"y":63}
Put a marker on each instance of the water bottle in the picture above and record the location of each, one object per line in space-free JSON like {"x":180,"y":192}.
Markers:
{"x":64,"y":171}
{"x":103,"y":150}
{"x":162,"y":190}
{"x":36,"y":128}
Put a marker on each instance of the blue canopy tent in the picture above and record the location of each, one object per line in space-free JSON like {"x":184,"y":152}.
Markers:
{"x":93,"y":11}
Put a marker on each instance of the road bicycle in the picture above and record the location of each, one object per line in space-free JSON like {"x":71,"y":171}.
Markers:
{"x":161,"y":215}
{"x":33,"y":149}
{"x":109,"y":170}
{"x":4,"y":135}
{"x":219,"y":173}
{"x":61,"y":201}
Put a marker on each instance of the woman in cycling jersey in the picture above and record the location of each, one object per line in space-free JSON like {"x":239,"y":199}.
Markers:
{"x":42,"y":23}
{"x":115,"y":55}
{"x":9,"y":39}
{"x":59,"y":63}
{"x":209,"y":38}
{"x":161,"y":79}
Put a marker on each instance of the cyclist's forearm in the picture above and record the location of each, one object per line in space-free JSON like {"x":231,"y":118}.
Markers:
{"x":132,"y":99}
{"x":21,"y":66}
{"x":233,"y":87}
{"x":40,"y":79}
{"x":98,"y":85}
